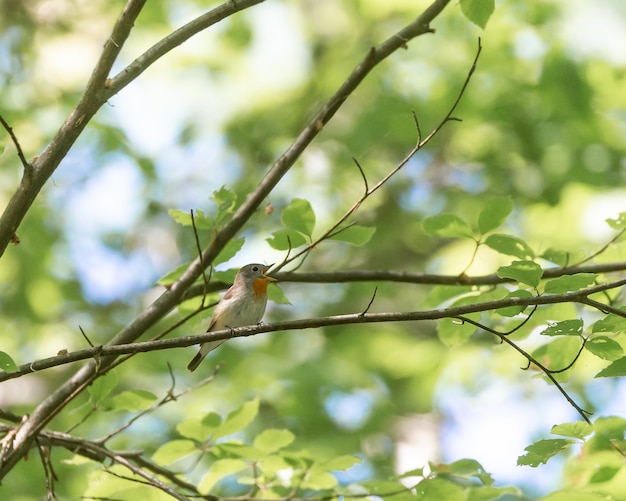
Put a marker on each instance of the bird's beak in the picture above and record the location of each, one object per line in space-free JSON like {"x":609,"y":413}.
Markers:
{"x":265,"y":270}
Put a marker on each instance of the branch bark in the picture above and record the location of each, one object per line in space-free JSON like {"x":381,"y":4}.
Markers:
{"x":49,"y":160}
{"x":101,"y":352}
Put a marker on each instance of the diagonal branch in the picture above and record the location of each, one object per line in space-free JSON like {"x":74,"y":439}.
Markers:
{"x":20,"y":203}
{"x":45,"y":164}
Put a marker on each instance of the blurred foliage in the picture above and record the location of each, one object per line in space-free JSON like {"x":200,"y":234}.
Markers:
{"x":539,"y":156}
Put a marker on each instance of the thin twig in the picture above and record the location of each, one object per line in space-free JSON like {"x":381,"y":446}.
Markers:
{"x":419,"y":144}
{"x":28,"y":168}
{"x":532,"y":360}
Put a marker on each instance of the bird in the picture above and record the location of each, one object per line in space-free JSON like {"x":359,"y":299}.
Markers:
{"x":243,"y":304}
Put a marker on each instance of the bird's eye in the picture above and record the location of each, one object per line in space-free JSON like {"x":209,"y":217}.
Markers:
{"x":255,"y":268}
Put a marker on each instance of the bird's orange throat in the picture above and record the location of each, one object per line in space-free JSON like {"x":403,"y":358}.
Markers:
{"x":259,"y":285}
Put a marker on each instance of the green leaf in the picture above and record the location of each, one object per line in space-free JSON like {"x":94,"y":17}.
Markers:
{"x":130,"y":400}
{"x":355,"y":235}
{"x":219,"y":469}
{"x":619,"y":223}
{"x":339,"y":463}
{"x":184,"y":218}
{"x":453,"y":332}
{"x":526,"y":272}
{"x":541,"y":451}
{"x":610,"y":323}
{"x":272,"y":440}
{"x":447,"y":226}
{"x":478,"y":11}
{"x":604,"y":474}
{"x":277,"y":295}
{"x":238,"y":419}
{"x":615,"y":369}
{"x":101,"y":387}
{"x":318,"y":481}
{"x":199,"y":429}
{"x":433,"y":489}
{"x":577,"y":429}
{"x":229,"y":251}
{"x":604,"y":347}
{"x":494,"y":214}
{"x":490,"y":493}
{"x":511,"y":311}
{"x":557,"y":257}
{"x":170,"y":452}
{"x":299,"y":216}
{"x":470,"y":468}
{"x":237,"y":450}
{"x":573,"y":327}
{"x":226,"y":202}
{"x":6,"y":363}
{"x":270,"y":465}
{"x":286,"y":239}
{"x":171,"y":277}
{"x":569,"y":283}
{"x":510,"y":246}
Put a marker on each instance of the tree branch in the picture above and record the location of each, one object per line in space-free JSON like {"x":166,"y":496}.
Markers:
{"x":46,"y":163}
{"x":20,"y":203}
{"x":580,"y":296}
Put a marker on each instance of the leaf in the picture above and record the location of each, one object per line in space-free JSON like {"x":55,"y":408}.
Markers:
{"x":286,"y":239}
{"x":615,"y":369}
{"x":511,"y":311}
{"x":237,"y":450}
{"x":199,"y":429}
{"x":101,"y":387}
{"x":526,"y":272}
{"x":577,"y":429}
{"x":171,"y":277}
{"x":619,"y":223}
{"x":277,"y":295}
{"x":573,"y":327}
{"x":270,"y":465}
{"x":318,"y":481}
{"x":339,"y":463}
{"x":273,"y":440}
{"x":510,"y":246}
{"x":355,"y":234}
{"x":184,"y":218}
{"x":130,"y":400}
{"x":299,"y":216}
{"x":604,"y":474}
{"x":478,"y":11}
{"x":447,"y":226}
{"x":229,"y":251}
{"x":610,"y":323}
{"x":557,"y":257}
{"x":219,"y":469}
{"x":6,"y":363}
{"x":433,"y":489}
{"x":604,"y":347}
{"x":453,"y":332}
{"x":569,"y":283}
{"x":170,"y":452}
{"x":226,"y":202}
{"x":238,"y":419}
{"x":541,"y":451}
{"x":494,"y":214}
{"x":470,"y":468}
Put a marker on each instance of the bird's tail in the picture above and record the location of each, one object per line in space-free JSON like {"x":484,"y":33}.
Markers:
{"x":195,"y":361}
{"x":204,"y":350}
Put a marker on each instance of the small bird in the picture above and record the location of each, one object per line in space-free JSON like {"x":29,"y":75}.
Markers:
{"x":243,"y":304}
